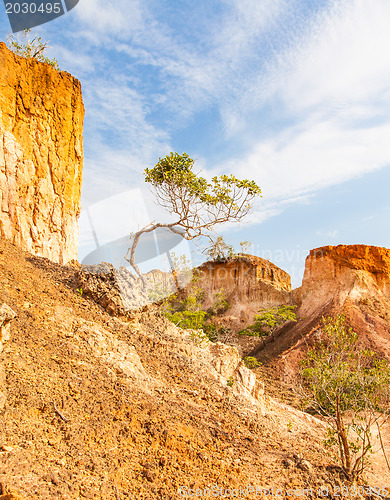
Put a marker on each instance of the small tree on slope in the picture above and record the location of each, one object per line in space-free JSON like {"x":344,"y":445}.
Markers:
{"x":197,"y":205}
{"x":351,"y":387}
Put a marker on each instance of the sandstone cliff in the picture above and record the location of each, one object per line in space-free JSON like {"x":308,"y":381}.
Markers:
{"x":248,"y":283}
{"x":353,"y":280}
{"x":41,"y":122}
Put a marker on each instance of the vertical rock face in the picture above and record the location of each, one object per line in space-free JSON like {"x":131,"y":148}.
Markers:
{"x":248,"y":283}
{"x":41,"y":123}
{"x":337,"y":273}
{"x":352,"y":280}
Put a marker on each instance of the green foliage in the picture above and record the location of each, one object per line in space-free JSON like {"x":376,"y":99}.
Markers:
{"x":351,"y":386}
{"x":188,"y":319}
{"x":196,"y":205}
{"x":230,"y":382}
{"x":173,"y":167}
{"x":188,"y":313}
{"x":177,"y":171}
{"x":30,"y":48}
{"x":245,"y":246}
{"x":199,"y":337}
{"x":160,"y":293}
{"x":340,"y":374}
{"x":251,"y":362}
{"x":219,"y":250}
{"x":193,"y":301}
{"x":268,"y":320}
{"x":220,"y":304}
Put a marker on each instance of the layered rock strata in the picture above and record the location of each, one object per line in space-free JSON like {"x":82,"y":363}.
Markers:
{"x":41,"y":155}
{"x":248,"y":283}
{"x":353,"y":280}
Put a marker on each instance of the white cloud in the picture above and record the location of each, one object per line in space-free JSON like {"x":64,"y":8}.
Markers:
{"x":189,"y":79}
{"x":328,"y":91}
{"x":121,"y":141}
{"x":345,"y":60}
{"x":104,"y":18}
{"x":320,"y":155}
{"x":328,"y":234}
{"x":331,"y":96}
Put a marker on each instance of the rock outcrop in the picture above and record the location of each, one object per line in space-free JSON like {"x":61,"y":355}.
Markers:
{"x":248,"y":283}
{"x":119,"y":291}
{"x":41,"y":154}
{"x":334,"y":274}
{"x":353,"y":280}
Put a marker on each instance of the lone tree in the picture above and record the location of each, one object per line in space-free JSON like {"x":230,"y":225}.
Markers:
{"x":351,"y":387}
{"x":219,"y":249}
{"x":197,"y":205}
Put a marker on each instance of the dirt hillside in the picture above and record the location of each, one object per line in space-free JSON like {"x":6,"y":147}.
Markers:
{"x":95,"y":407}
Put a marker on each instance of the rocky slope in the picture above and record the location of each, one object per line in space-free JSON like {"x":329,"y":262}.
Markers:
{"x":95,"y":407}
{"x":41,"y":155}
{"x":353,"y":280}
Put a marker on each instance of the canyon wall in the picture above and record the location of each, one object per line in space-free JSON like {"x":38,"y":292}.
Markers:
{"x":41,"y":156}
{"x":248,"y":283}
{"x":335,"y":274}
{"x":352,"y":280}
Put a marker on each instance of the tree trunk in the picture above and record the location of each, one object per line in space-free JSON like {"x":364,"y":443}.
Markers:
{"x":174,"y":273}
{"x":345,"y":451}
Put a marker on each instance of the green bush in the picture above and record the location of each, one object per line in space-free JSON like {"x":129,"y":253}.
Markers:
{"x":188,"y":313}
{"x":230,"y":382}
{"x":251,"y":362}
{"x":268,"y":320}
{"x":188,"y":319}
{"x":220,"y":304}
{"x":30,"y":48}
{"x":351,"y":387}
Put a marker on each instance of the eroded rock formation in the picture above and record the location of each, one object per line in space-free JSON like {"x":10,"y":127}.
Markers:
{"x":337,"y":273}
{"x":353,"y":280}
{"x":248,"y":283}
{"x":41,"y":154}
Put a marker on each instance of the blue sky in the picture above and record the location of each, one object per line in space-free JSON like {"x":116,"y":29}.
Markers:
{"x":293,"y":94}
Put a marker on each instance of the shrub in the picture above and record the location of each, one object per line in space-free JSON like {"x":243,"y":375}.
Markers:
{"x":188,"y":319}
{"x":30,"y":48}
{"x":251,"y":362}
{"x":220,"y":304}
{"x":268,"y":320}
{"x":230,"y":382}
{"x":351,"y":387}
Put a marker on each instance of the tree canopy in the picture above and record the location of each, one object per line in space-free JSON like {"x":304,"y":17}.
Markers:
{"x":268,"y":320}
{"x":197,"y":204}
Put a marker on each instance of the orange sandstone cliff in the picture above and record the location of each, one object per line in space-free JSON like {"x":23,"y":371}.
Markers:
{"x":41,"y":156}
{"x":353,"y":280}
{"x":248,"y":283}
